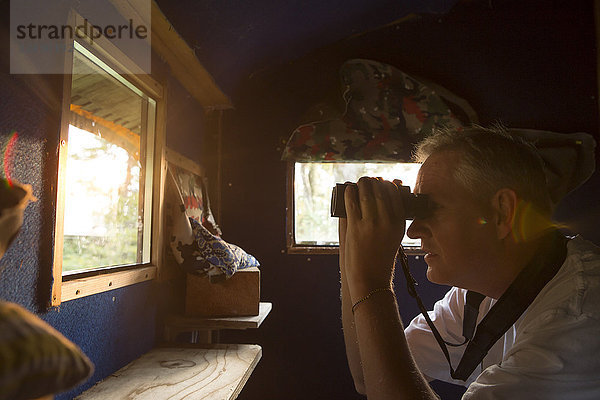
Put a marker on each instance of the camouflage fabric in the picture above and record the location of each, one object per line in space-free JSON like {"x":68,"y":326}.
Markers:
{"x":568,"y":158}
{"x":387,"y":111}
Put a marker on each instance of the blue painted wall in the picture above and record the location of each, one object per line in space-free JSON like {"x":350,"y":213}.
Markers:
{"x":114,"y":327}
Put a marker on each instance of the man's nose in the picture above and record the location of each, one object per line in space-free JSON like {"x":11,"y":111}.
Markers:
{"x":416,"y":230}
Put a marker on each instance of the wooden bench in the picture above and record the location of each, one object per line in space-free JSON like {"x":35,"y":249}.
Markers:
{"x":199,"y":371}
{"x":215,"y":372}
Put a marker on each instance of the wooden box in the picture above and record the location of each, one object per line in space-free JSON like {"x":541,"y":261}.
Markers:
{"x":236,"y":296}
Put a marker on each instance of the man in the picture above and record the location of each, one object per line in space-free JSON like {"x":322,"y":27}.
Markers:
{"x":489,"y":232}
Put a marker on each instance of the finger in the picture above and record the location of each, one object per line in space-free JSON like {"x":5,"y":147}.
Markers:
{"x":398,"y":203}
{"x":396,"y":199}
{"x":351,"y":202}
{"x":394,"y":203}
{"x":342,"y":226}
{"x":368,"y":206}
{"x":382,"y":198}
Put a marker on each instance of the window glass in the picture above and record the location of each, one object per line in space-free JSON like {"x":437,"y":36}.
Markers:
{"x":108,"y":171}
{"x":313,"y":183}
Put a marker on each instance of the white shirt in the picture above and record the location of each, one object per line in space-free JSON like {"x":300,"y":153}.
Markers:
{"x":551,"y":352}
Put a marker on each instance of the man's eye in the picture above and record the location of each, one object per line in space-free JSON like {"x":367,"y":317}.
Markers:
{"x":433,"y":207}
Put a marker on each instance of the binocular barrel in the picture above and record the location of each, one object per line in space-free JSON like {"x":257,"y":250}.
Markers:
{"x":415,"y":205}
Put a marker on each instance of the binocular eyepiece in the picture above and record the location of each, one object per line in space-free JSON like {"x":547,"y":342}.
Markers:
{"x":415,"y":205}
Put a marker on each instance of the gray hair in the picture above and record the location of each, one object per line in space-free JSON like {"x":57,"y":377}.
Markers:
{"x":492,"y":159}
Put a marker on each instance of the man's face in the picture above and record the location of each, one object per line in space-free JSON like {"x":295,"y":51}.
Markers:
{"x":457,"y":236}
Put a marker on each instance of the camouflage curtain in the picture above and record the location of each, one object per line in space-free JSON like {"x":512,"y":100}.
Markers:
{"x":387,"y":112}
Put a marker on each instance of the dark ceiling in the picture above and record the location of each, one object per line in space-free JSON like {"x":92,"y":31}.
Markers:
{"x":235,"y":38}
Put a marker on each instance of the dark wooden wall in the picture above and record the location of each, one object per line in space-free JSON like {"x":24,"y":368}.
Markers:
{"x":528,"y":64}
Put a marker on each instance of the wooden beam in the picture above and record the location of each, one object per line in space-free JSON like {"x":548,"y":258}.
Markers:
{"x":181,"y":161}
{"x":184,"y":64}
{"x":178,"y":55}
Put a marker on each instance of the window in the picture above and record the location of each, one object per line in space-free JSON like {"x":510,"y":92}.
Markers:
{"x":107,"y":178}
{"x":108,"y":169}
{"x":310,"y":226}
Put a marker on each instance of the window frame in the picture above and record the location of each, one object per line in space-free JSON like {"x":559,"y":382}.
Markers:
{"x":296,"y":248}
{"x":93,"y":281}
{"x":290,"y":221}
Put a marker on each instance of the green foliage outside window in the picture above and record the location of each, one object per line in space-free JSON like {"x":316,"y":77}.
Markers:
{"x":108,"y":235}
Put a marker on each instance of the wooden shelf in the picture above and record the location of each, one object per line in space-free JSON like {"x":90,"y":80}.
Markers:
{"x":210,"y":373}
{"x":182,"y":323}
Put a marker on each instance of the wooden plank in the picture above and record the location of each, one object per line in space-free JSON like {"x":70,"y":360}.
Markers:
{"x":182,"y":323}
{"x":183,"y":162}
{"x":60,"y":185}
{"x":159,"y":180}
{"x":213,"y":373}
{"x":82,"y":287}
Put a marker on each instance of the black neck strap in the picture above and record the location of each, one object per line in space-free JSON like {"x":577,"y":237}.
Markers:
{"x":507,"y":310}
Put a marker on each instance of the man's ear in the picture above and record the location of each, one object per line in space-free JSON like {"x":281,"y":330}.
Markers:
{"x":504,"y":206}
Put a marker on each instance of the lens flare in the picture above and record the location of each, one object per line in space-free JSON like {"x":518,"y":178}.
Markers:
{"x":8,"y":156}
{"x":529,"y":223}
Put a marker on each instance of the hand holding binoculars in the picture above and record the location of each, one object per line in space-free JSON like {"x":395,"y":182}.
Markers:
{"x":415,"y":205}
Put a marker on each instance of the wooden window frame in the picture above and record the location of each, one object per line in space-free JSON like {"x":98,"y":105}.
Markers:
{"x":290,"y":236}
{"x":104,"y":279}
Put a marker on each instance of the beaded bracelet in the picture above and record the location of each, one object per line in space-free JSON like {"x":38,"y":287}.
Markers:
{"x":369,"y":295}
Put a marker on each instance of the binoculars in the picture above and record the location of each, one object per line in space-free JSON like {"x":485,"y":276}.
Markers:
{"x":415,"y":205}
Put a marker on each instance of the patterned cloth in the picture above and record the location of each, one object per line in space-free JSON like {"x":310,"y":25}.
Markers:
{"x":35,"y":359}
{"x":192,"y":189}
{"x":387,"y":111}
{"x":215,"y":252}
{"x":194,"y":247}
{"x":14,"y":198}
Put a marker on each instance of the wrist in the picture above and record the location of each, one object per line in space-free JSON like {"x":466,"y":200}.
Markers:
{"x":360,"y":288}
{"x":374,"y":292}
